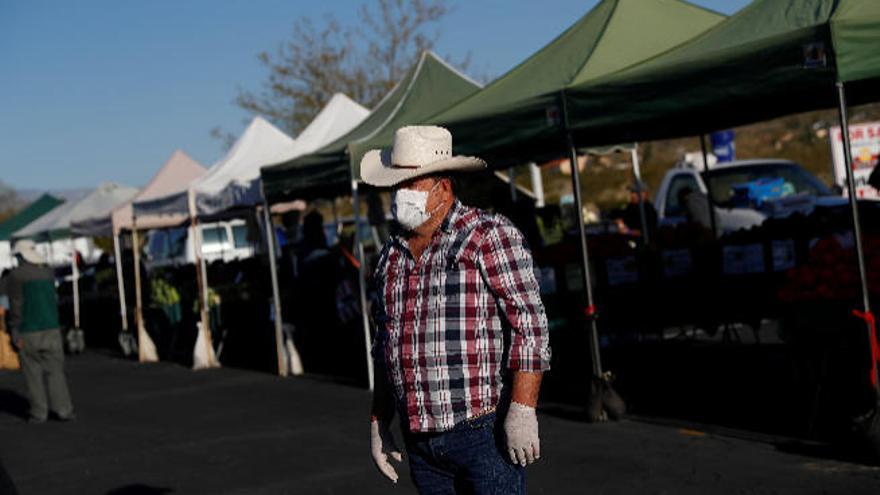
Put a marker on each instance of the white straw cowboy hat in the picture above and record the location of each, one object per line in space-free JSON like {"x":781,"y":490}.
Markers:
{"x":417,"y":151}
{"x":28,"y":250}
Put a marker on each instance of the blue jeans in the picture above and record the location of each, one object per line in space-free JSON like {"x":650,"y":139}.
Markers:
{"x":466,"y":459}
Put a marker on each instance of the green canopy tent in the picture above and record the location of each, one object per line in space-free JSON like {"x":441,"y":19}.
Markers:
{"x":429,"y":86}
{"x":516,"y":113}
{"x":773,"y":58}
{"x":517,"y":116}
{"x":39,"y":207}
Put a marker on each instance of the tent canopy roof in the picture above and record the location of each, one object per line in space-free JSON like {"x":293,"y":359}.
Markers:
{"x":516,"y":117}
{"x":773,"y":58}
{"x":855,"y":26}
{"x":339,"y":116}
{"x":231,"y":181}
{"x":62,"y":220}
{"x":174,"y":176}
{"x":430,"y":85}
{"x":613,"y":35}
{"x":36,"y":209}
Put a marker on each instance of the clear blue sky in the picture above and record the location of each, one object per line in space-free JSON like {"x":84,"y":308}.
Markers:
{"x":107,"y":89}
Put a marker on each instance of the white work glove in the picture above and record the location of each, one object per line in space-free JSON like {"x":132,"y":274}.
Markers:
{"x":521,"y":428}
{"x":381,"y":446}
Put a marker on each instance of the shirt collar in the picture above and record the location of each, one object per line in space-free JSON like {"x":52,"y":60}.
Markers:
{"x":452,"y":216}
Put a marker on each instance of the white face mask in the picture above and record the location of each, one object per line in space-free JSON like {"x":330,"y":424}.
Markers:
{"x":409,"y":207}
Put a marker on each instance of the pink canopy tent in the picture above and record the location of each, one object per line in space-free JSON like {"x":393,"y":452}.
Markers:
{"x":176,"y":175}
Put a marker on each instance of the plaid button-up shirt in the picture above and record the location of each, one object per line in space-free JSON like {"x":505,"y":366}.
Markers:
{"x":451,"y":324}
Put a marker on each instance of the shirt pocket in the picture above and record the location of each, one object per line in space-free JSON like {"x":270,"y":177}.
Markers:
{"x":454,"y":307}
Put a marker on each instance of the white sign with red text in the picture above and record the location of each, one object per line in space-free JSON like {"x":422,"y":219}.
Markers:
{"x":865,"y":145}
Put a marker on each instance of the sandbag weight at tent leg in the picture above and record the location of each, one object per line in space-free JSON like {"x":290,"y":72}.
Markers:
{"x":362,"y":282}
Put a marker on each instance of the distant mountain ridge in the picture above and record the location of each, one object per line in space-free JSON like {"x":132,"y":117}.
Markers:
{"x":68,"y":195}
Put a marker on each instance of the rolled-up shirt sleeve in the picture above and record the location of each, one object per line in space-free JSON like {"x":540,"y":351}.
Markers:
{"x":508,"y":267}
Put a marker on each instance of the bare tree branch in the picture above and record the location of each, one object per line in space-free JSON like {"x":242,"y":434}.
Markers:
{"x":364,"y":61}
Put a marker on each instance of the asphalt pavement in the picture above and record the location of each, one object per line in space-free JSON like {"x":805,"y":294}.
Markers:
{"x":161,"y":428}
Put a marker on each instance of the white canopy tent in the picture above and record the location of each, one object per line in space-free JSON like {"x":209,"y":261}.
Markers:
{"x":231,"y":182}
{"x":234,"y":182}
{"x":340,"y":115}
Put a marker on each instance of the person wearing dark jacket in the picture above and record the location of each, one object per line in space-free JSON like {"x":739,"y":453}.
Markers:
{"x":36,"y":333}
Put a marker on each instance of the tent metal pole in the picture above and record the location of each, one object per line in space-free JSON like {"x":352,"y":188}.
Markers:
{"x":120,"y":281}
{"x":709,"y":201}
{"x":201,"y":277}
{"x":138,"y":297}
{"x":511,"y":177}
{"x":362,"y":281}
{"x":276,"y":295}
{"x":857,"y":226}
{"x":537,"y":184}
{"x":336,"y":218}
{"x":74,"y":274}
{"x":637,"y":174}
{"x":590,"y":310}
{"x":851,"y":187}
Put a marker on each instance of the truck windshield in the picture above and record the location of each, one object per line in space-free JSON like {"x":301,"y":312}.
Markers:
{"x":726,"y":183}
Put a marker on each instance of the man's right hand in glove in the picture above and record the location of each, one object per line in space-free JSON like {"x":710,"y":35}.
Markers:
{"x":382,"y":446}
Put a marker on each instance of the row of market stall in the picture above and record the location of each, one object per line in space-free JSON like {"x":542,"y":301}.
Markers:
{"x":627,"y":71}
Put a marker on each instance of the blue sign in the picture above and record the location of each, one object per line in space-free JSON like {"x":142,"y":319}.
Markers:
{"x":724,"y":145}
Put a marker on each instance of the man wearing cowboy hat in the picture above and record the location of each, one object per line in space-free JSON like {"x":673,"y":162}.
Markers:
{"x":461,"y":339}
{"x":36,"y":333}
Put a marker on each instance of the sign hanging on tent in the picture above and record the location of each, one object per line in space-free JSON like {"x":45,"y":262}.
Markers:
{"x":865,"y":141}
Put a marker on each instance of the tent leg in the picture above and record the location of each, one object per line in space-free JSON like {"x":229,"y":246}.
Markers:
{"x":857,"y":227}
{"x":712,"y":221}
{"x":336,"y":218}
{"x":362,"y":281}
{"x":146,"y":348}
{"x":511,"y":177}
{"x":202,"y":358}
{"x":590,"y":310}
{"x":138,"y":297}
{"x":74,"y":272}
{"x":537,"y":184}
{"x":276,"y":297}
{"x":120,"y":283}
{"x":637,"y":174}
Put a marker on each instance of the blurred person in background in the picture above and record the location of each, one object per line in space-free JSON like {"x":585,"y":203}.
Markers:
{"x":36,"y":333}
{"x":631,"y":215}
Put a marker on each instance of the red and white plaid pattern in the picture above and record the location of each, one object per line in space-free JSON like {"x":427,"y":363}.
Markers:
{"x":450,"y":325}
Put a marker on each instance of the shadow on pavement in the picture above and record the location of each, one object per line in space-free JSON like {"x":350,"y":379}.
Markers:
{"x":13,"y":403}
{"x":7,"y":487}
{"x":851,"y":452}
{"x":139,"y":489}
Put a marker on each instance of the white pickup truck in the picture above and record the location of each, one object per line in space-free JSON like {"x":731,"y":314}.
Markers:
{"x":226,"y":240}
{"x":744,"y":193}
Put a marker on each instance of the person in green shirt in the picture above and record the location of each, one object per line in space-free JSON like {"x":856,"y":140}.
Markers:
{"x":36,"y":333}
